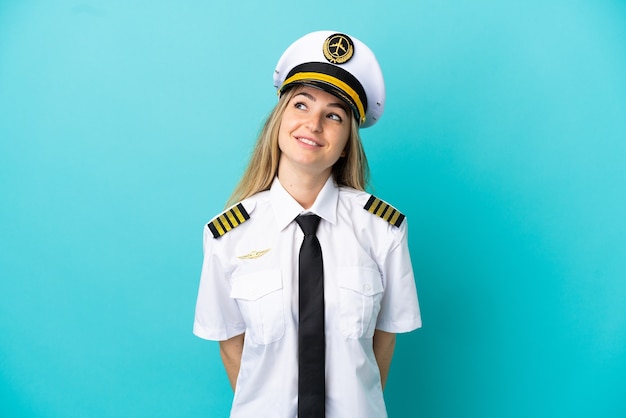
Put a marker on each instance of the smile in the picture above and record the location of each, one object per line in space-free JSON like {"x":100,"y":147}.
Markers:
{"x":308,"y":141}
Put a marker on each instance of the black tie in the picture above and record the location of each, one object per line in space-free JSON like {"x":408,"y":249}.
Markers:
{"x":311,"y":341}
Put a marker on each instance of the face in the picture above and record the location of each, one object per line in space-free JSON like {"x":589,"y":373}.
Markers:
{"x":313,"y":132}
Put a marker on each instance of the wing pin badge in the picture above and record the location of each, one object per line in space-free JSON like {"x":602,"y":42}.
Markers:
{"x":254,"y":254}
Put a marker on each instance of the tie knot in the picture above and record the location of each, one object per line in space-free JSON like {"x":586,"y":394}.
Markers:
{"x":308,"y":223}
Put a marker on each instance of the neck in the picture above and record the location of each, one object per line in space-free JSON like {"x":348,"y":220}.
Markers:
{"x":302,"y":187}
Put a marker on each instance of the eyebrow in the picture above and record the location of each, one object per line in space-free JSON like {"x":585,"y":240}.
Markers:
{"x":340,"y":105}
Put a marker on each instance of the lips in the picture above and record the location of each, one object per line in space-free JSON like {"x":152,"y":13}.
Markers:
{"x":308,"y":141}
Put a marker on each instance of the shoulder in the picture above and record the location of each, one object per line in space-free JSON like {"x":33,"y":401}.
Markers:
{"x":235,"y":215}
{"x":371,"y":206}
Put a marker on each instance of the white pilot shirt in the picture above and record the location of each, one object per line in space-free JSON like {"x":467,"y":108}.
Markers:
{"x":249,"y":284}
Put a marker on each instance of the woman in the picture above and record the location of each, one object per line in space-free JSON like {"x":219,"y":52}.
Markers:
{"x":307,"y":278}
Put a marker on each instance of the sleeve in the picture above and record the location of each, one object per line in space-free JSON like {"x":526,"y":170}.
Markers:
{"x":400,"y":310}
{"x":217,"y":314}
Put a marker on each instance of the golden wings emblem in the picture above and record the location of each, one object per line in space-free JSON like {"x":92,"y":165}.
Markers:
{"x":254,"y":254}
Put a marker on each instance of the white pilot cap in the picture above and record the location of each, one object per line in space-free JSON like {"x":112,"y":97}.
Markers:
{"x":339,"y":64}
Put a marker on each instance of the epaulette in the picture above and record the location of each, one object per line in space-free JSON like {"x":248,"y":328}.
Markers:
{"x":384,"y":210}
{"x":228,"y":220}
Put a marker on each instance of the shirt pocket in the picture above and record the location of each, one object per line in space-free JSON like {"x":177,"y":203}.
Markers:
{"x":260,"y":299}
{"x":360,"y":294}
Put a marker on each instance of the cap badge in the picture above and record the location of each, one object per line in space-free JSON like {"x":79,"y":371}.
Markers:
{"x":338,"y":48}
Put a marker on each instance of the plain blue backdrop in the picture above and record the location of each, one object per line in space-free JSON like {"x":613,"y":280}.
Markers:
{"x":124,"y":125}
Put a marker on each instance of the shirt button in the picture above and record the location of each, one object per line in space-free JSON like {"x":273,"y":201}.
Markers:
{"x":367,"y":287}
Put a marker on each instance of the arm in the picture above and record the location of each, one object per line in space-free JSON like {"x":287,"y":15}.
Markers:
{"x":231,"y":350}
{"x":384,"y":344}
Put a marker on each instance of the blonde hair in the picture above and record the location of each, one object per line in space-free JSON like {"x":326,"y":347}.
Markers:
{"x":351,"y":170}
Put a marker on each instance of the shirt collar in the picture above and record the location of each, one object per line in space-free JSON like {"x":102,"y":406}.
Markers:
{"x":286,"y":208}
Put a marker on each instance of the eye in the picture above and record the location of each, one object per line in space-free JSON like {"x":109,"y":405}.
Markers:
{"x":300,"y":105}
{"x":335,"y":116}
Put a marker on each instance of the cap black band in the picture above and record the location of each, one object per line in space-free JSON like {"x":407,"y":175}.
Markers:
{"x":341,"y":75}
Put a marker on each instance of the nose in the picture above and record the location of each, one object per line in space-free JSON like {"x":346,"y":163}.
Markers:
{"x":315,"y":122}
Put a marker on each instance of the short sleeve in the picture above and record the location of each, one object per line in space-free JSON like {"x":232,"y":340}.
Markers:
{"x":217,"y":314}
{"x":399,"y":307}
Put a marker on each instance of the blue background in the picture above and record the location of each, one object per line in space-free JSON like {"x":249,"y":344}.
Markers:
{"x":124,"y":125}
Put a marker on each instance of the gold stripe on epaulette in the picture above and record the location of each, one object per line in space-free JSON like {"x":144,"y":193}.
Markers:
{"x":384,"y":210}
{"x":228,"y":220}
